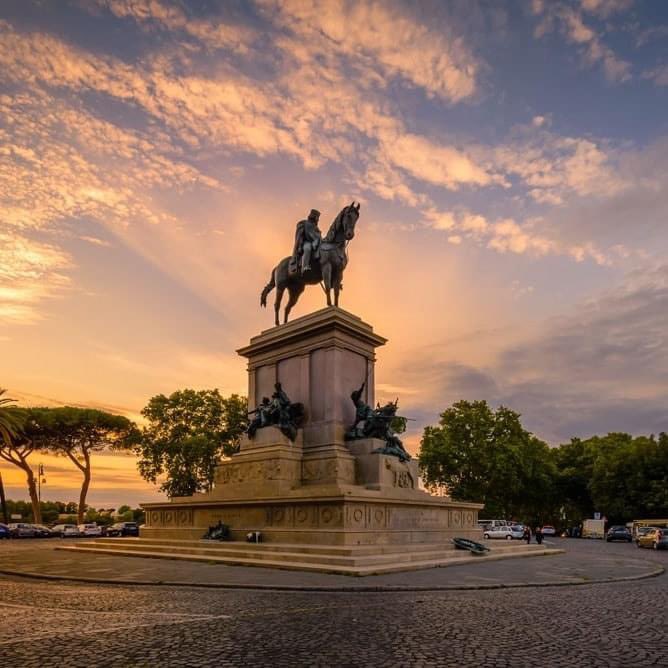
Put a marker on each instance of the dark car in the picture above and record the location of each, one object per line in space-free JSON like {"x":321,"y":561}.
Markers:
{"x":123,"y":529}
{"x":654,"y":538}
{"x":43,"y":532}
{"x":4,"y":531}
{"x":619,"y":533}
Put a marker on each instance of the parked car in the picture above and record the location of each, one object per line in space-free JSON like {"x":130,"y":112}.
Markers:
{"x":641,"y":531}
{"x":66,"y":530}
{"x":4,"y":531}
{"x":90,"y":529}
{"x":123,"y":529}
{"x":486,"y":524}
{"x":654,"y":538}
{"x":618,"y":533}
{"x":21,"y":530}
{"x":42,"y":532}
{"x":504,"y":532}
{"x":549,"y":530}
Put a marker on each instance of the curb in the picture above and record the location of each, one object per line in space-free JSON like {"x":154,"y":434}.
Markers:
{"x":334,"y":589}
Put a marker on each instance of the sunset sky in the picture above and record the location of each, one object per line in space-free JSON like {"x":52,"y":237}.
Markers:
{"x":511,"y":159}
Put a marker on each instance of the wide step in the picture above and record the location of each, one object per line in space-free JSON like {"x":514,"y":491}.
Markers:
{"x":355,"y":560}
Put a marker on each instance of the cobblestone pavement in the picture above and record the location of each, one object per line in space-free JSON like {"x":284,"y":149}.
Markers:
{"x":72,"y":624}
{"x":576,"y":566}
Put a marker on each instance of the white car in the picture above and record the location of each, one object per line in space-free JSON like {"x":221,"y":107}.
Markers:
{"x":90,"y":530}
{"x":549,"y":530}
{"x":504,"y":532}
{"x":66,"y":530}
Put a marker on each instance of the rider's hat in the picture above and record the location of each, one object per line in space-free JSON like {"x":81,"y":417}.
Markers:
{"x":314,"y":213}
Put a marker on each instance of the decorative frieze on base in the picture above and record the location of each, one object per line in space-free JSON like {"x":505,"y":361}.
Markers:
{"x":336,"y":521}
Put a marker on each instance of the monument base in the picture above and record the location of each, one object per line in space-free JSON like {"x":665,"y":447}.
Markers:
{"x":320,"y":503}
{"x":322,"y":518}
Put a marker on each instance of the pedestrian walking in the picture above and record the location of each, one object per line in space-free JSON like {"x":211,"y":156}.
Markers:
{"x":539,"y":535}
{"x":527,"y":534}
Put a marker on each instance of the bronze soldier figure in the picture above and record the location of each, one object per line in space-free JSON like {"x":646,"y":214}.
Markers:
{"x":307,"y":242}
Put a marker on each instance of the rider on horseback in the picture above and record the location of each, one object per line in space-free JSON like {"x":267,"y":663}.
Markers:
{"x":307,"y":242}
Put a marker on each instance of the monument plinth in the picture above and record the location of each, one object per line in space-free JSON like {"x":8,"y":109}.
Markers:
{"x":318,"y":489}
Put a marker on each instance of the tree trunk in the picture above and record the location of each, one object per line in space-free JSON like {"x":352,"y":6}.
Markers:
{"x":3,"y":502}
{"x":85,"y":469}
{"x":20,"y":458}
{"x":32,"y":490}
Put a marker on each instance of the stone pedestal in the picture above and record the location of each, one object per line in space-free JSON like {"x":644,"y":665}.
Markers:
{"x":319,"y":490}
{"x":319,"y":359}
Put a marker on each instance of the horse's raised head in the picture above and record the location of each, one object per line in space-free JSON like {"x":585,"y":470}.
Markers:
{"x":350,"y":215}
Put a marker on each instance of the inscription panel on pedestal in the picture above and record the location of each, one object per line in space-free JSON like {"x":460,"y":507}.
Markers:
{"x":331,"y":469}
{"x":230,"y":473}
{"x":178,"y":517}
{"x":304,"y":516}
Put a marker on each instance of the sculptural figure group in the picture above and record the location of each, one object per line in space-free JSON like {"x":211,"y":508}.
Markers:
{"x":315,"y":259}
{"x":369,"y":422}
{"x":278,"y":411}
{"x":376,"y":423}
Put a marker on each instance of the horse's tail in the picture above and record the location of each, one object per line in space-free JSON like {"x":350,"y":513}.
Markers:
{"x":267,"y":289}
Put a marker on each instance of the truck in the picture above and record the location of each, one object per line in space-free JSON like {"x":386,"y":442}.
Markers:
{"x":593,"y":529}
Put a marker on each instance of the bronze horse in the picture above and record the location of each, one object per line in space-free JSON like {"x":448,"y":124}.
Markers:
{"x":328,"y":269}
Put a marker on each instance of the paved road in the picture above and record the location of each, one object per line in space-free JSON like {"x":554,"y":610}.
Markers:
{"x":41,"y":558}
{"x":618,"y":624}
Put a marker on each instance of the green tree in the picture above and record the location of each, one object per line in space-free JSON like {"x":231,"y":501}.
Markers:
{"x":574,"y":466}
{"x":487,"y":456}
{"x":11,"y":418}
{"x":17,"y":444}
{"x":76,"y":433}
{"x":186,"y":435}
{"x":630,"y":476}
{"x":10,"y":426}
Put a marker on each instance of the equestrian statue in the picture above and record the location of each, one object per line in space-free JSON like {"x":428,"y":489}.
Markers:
{"x":315,"y":259}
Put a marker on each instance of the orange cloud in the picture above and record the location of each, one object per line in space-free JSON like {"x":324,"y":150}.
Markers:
{"x":383,"y":40}
{"x":29,"y":273}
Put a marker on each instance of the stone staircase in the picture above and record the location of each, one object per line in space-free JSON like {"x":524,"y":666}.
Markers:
{"x":347,"y":560}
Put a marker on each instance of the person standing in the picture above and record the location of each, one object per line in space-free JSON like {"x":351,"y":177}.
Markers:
{"x":527,"y":534}
{"x":539,"y":535}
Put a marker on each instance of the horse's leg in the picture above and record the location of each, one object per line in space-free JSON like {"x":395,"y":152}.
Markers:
{"x":327,"y":279}
{"x":337,"y":286}
{"x":294,"y":291}
{"x":277,"y":304}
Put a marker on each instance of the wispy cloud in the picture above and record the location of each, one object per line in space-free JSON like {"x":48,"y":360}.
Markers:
{"x":382,"y":41}
{"x":658,"y":74}
{"x":570,"y":22}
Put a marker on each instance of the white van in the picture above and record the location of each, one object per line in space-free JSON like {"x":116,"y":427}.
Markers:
{"x":488,"y":524}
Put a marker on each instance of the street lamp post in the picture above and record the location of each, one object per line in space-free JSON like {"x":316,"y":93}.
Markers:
{"x":40,"y":480}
